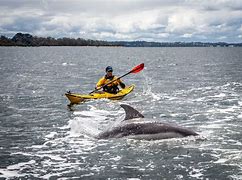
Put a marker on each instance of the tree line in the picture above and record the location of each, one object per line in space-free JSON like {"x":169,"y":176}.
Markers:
{"x":21,"y":39}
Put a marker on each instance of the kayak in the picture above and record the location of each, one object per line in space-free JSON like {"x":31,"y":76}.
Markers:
{"x":77,"y":98}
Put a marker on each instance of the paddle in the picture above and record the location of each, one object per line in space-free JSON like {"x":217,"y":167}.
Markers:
{"x":136,"y":69}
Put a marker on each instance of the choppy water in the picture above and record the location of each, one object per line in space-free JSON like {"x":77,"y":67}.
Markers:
{"x":41,"y":138}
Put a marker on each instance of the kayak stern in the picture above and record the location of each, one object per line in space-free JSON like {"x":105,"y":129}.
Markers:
{"x":74,"y":99}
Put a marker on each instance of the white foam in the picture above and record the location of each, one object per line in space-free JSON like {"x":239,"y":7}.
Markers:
{"x":12,"y":170}
{"x":117,"y":158}
{"x":220,"y":95}
{"x":19,"y":165}
{"x":239,"y":116}
{"x":4,"y":173}
{"x":48,"y":176}
{"x":51,"y":135}
{"x":240,"y":103}
{"x":92,"y":113}
{"x":84,"y":126}
{"x":196,"y":173}
{"x":156,"y":97}
{"x":225,"y":110}
{"x":221,"y":161}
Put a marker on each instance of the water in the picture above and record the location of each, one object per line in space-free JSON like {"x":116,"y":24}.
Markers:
{"x":41,"y":138}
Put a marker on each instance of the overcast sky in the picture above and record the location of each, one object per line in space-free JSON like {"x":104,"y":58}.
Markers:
{"x":149,"y":20}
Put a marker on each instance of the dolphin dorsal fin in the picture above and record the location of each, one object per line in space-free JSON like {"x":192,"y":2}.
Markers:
{"x":131,"y":113}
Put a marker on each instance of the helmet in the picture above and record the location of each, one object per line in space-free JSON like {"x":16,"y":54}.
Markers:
{"x":109,"y":69}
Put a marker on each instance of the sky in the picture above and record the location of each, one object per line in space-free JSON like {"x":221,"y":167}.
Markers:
{"x":125,"y":20}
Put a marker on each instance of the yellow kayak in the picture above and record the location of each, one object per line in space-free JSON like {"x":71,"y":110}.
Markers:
{"x":77,"y":98}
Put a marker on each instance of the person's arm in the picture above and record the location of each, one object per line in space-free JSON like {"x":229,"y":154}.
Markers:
{"x":122,"y":85}
{"x":119,"y":82}
{"x":100,"y":83}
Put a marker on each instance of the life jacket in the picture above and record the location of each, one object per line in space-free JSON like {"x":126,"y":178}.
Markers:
{"x":112,"y":87}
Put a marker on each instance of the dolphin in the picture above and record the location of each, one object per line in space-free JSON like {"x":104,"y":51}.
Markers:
{"x":135,"y":126}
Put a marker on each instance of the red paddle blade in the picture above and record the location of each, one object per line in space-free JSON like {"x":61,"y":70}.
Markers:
{"x":138,"y":68}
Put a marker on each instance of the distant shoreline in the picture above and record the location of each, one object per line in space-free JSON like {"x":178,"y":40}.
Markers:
{"x":27,"y":40}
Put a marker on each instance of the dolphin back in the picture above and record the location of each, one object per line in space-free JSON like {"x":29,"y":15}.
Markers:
{"x":143,"y":129}
{"x":130,"y":112}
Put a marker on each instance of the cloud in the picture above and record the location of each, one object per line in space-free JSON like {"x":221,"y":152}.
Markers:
{"x":187,"y":35}
{"x":173,"y":20}
{"x":184,"y":21}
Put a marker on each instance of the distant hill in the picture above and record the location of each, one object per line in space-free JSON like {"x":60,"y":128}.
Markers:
{"x":21,"y":39}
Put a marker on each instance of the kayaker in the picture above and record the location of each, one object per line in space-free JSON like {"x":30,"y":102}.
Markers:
{"x":112,"y":87}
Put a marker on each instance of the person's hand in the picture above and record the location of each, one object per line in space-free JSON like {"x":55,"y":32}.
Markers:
{"x":97,"y":88}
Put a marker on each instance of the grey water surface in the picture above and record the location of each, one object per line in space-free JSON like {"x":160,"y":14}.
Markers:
{"x":42,"y":138}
